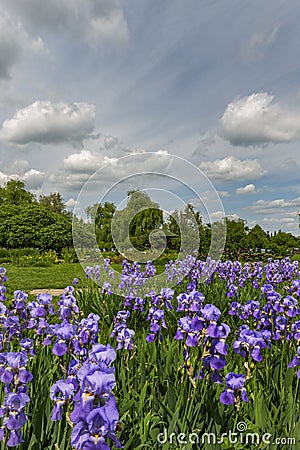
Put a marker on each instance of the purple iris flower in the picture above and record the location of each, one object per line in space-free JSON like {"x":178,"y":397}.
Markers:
{"x":234,"y":385}
{"x":218,"y":331}
{"x":216,"y":362}
{"x":249,"y":342}
{"x":102,"y":354}
{"x":296,"y":361}
{"x":20,"y":298}
{"x":65,"y":332}
{"x":15,"y":438}
{"x":61,"y":392}
{"x":210,"y":312}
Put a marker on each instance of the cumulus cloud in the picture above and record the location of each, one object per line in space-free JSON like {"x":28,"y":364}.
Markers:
{"x":224,"y":194}
{"x":256,"y":120}
{"x":49,"y":123}
{"x":13,"y":42}
{"x":79,"y":166}
{"x":279,"y":220}
{"x":19,"y":166}
{"x":32,"y":178}
{"x":284,"y":223}
{"x":86,"y":162}
{"x":248,"y":189}
{"x":234,"y":216}
{"x":110,"y":142}
{"x":95,"y":21}
{"x":259,"y":43}
{"x":273,"y":206}
{"x":232,"y":169}
{"x":70,"y":203}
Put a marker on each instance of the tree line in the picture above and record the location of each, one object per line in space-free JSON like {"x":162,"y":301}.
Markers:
{"x":45,"y":224}
{"x":186,"y":224}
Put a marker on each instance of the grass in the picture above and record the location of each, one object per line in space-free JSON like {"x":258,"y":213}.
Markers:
{"x":55,"y":276}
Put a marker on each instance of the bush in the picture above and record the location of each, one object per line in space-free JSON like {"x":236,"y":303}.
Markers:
{"x":69,"y":255}
{"x":38,"y":259}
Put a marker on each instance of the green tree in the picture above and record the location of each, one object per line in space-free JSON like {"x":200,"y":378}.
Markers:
{"x":188,"y":227}
{"x":35,"y":226}
{"x":102,"y":216}
{"x":54,"y":202}
{"x":7,"y":212}
{"x":282,"y":243}
{"x":236,"y":237}
{"x":257,"y":238}
{"x":14,"y":193}
{"x":133,"y":224}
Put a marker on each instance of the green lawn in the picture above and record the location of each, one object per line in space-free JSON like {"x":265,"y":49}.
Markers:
{"x":53,"y":277}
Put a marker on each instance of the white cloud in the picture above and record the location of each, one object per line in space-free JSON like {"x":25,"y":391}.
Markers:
{"x":49,"y":123}
{"x":248,"y":189}
{"x":32,"y":178}
{"x":274,"y":206}
{"x":217,"y":215}
{"x":108,"y":29}
{"x":233,"y":217}
{"x":78,"y":167}
{"x":86,"y":162}
{"x":255,"y":120}
{"x":224,"y":194}
{"x":279,"y":220}
{"x":13,"y":42}
{"x":259,"y":43}
{"x":231,"y":169}
{"x":70,"y":203}
{"x":19,"y":166}
{"x":110,"y":142}
{"x":95,"y":21}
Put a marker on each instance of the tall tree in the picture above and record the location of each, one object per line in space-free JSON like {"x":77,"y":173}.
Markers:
{"x":133,"y":224}
{"x":257,"y":238}
{"x":236,"y":237}
{"x":14,"y":193}
{"x":282,"y":243}
{"x":34,"y":226}
{"x":187,"y":225}
{"x":54,"y":202}
{"x":102,"y":216}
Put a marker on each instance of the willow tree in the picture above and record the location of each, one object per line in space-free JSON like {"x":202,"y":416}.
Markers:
{"x":133,"y":225}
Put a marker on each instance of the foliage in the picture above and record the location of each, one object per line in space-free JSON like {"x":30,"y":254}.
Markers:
{"x":160,"y":385}
{"x":69,"y":255}
{"x":41,"y":259}
{"x":14,"y":193}
{"x":34,"y":226}
{"x":54,"y":202}
{"x":133,"y":224}
{"x":190,"y":233}
{"x":282,"y":243}
{"x":257,"y":238}
{"x":159,"y":390}
{"x":236,"y":237}
{"x":102,"y":216}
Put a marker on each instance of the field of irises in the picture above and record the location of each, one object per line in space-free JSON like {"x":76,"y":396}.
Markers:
{"x":186,"y":366}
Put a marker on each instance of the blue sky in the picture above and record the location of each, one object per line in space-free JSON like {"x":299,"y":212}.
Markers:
{"x":85,"y":82}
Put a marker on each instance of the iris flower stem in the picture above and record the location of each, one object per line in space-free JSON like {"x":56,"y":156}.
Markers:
{"x":296,"y":395}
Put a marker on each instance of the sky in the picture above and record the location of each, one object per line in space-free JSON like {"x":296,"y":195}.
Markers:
{"x":86,"y":85}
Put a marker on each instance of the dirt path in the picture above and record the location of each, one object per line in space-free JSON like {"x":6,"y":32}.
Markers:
{"x":54,"y":292}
